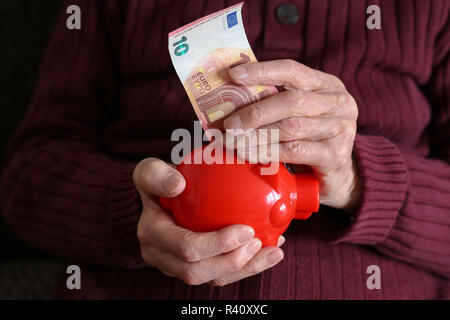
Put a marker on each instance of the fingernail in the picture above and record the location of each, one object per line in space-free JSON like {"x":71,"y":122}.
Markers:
{"x":238,"y":73}
{"x":171,"y":183}
{"x":281,"y":241}
{"x":274,"y":258}
{"x":233,"y":122}
{"x":246,"y":235}
{"x":253,"y":247}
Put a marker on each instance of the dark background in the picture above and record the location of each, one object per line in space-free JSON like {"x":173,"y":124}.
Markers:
{"x":25,"y":28}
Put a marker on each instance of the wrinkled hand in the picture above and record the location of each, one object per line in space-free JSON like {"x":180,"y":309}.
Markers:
{"x":217,"y":258}
{"x":316,"y":118}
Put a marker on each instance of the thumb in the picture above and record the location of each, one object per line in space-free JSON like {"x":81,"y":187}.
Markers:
{"x":155,"y":177}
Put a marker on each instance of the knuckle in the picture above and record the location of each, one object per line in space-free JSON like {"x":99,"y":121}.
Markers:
{"x":296,"y":150}
{"x":143,"y":170}
{"x":336,"y":81}
{"x":187,"y":250}
{"x":188,"y":254}
{"x":262,"y":71}
{"x":348,"y":104}
{"x":150,"y":167}
{"x":300,"y":100}
{"x":292,"y":69}
{"x":235,"y":264}
{"x":145,"y":256}
{"x":290,"y":126}
{"x":149,"y":170}
{"x":351,"y":101}
{"x":346,"y":99}
{"x":353,"y":107}
{"x":340,"y":154}
{"x":150,"y":256}
{"x":189,"y":276}
{"x":341,"y":99}
{"x":225,"y":243}
{"x":257,"y":113}
{"x":348,"y":131}
{"x":219,"y":282}
{"x":142,"y":234}
{"x":253,"y":269}
{"x":340,"y":162}
{"x":290,"y":66}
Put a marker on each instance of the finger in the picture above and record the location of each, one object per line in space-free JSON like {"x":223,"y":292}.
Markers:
{"x":287,"y":104}
{"x":195,"y":246}
{"x":263,"y":260}
{"x":299,"y":152}
{"x":155,"y":177}
{"x":195,"y":273}
{"x":308,"y":129}
{"x":287,"y":73}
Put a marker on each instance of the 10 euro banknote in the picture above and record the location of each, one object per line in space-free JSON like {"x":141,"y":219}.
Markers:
{"x":202,"y":53}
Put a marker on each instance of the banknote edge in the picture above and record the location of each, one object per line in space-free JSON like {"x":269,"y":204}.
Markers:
{"x":213,"y":15}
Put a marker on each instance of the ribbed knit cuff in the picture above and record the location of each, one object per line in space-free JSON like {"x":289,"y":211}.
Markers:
{"x":383,"y":181}
{"x":125,"y":208}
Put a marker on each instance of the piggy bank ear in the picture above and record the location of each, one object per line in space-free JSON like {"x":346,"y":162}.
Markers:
{"x":272,"y":180}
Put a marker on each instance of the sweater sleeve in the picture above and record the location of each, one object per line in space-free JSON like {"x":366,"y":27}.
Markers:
{"x":405,"y":210}
{"x":60,"y":191}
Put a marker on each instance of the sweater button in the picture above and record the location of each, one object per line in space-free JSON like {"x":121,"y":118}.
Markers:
{"x":287,"y":14}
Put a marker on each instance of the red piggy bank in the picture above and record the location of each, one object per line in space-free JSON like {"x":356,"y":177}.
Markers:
{"x":219,"y":195}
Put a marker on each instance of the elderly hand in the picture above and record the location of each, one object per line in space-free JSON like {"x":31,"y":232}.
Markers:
{"x":218,"y":258}
{"x":316,"y":118}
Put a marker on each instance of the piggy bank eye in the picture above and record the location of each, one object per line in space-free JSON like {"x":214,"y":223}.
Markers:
{"x":281,"y":213}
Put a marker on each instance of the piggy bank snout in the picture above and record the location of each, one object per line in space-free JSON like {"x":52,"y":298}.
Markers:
{"x":281,"y":213}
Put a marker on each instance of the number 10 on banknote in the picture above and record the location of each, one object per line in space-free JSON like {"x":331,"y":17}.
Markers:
{"x":202,"y":52}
